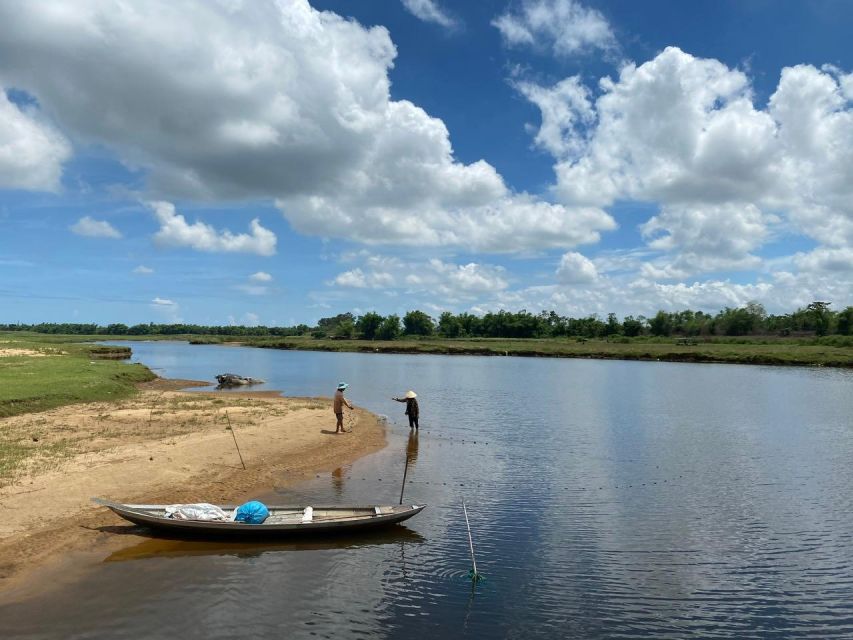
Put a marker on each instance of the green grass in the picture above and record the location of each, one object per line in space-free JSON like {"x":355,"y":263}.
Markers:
{"x":16,"y":455}
{"x":65,"y":374}
{"x":829,"y":351}
{"x":795,"y":351}
{"x":12,"y":456}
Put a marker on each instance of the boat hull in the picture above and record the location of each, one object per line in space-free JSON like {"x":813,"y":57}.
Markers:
{"x":283,"y":520}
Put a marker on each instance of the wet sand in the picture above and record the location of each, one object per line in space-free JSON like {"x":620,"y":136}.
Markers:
{"x":163,"y":446}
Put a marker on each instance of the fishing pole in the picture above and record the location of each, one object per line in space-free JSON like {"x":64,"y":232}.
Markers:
{"x":405,"y":471}
{"x":231,"y":429}
{"x":475,"y":576}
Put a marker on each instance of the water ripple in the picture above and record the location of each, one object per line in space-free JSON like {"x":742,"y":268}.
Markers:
{"x":605,"y":499}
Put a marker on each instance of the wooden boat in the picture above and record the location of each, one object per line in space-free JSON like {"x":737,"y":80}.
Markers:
{"x":282,"y":520}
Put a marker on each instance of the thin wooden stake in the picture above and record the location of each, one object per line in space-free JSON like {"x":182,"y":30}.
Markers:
{"x":231,"y":429}
{"x":151,"y":411}
{"x":474,"y":576}
{"x":405,"y":471}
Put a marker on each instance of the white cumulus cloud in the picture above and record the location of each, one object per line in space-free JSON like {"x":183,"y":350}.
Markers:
{"x":684,"y":133}
{"x":143,"y":270}
{"x":31,"y":151}
{"x":168,"y":309}
{"x":88,"y":226}
{"x":175,"y":231}
{"x":429,"y":11}
{"x":359,"y":279}
{"x":566,"y":27}
{"x":257,"y":285}
{"x":566,"y":114}
{"x":709,"y":237}
{"x":248,"y":319}
{"x":838,"y":261}
{"x":458,"y":279}
{"x":675,"y":129}
{"x":271,"y":100}
{"x":576,"y":268}
{"x":434,"y":277}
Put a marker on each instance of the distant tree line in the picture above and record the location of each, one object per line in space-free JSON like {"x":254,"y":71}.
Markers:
{"x":750,"y":320}
{"x":151,"y":329}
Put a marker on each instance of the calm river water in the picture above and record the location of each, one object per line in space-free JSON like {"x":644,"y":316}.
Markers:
{"x":607,"y":499}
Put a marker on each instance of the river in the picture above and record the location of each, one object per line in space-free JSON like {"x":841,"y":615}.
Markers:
{"x":607,"y":499}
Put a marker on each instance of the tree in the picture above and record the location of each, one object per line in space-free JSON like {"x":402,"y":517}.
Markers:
{"x":552,"y":324}
{"x":505,"y":324}
{"x":117,"y":329}
{"x":368,"y":325}
{"x":613,"y":327}
{"x":471,"y":324}
{"x":821,"y":316}
{"x":661,"y":324}
{"x":756,"y":309}
{"x":449,"y":325}
{"x":329,"y":325}
{"x":389,"y":329}
{"x":845,"y":322}
{"x":781,"y":325}
{"x":139,"y":330}
{"x":742,"y":321}
{"x":417,"y":323}
{"x":632,"y":327}
{"x":345,"y":329}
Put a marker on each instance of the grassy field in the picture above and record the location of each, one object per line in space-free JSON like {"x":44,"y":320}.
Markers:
{"x":775,"y":351}
{"x":41,"y":372}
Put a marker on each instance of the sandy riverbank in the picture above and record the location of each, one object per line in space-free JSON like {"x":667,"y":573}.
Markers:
{"x":161,"y":446}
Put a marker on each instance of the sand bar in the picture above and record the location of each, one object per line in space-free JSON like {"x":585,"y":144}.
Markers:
{"x":161,"y":446}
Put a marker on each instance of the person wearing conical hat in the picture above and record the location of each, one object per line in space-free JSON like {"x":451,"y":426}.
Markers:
{"x":338,"y":407}
{"x":412,"y":410}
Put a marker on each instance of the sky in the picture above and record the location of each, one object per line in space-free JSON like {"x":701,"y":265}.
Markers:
{"x":258,"y":162}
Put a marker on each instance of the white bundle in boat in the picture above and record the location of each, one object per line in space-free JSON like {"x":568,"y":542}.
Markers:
{"x":199,"y":511}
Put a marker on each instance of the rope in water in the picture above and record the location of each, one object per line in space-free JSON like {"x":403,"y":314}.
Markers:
{"x":660,"y":481}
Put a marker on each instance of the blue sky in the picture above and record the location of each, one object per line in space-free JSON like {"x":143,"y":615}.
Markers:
{"x":291,"y":161}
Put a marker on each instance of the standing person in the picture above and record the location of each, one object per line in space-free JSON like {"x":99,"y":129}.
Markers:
{"x":411,"y":407}
{"x":338,"y":407}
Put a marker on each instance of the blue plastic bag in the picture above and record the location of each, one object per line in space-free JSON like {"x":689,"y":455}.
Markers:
{"x":253,"y":512}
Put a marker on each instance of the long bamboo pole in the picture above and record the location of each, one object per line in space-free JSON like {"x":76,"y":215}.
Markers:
{"x":231,"y":429}
{"x":405,"y":472}
{"x":474,"y":576}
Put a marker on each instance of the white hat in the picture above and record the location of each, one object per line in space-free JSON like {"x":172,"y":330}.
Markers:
{"x":411,"y":394}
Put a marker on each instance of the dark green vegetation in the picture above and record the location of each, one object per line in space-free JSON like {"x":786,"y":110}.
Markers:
{"x":813,"y":335}
{"x":816,"y":319}
{"x":780,"y":351}
{"x":86,"y":331}
{"x":42,"y":372}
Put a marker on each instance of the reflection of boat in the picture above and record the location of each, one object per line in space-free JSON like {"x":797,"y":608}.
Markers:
{"x":180,"y":548}
{"x":282,"y":520}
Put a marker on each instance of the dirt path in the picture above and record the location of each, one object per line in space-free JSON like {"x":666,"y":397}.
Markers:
{"x":162,"y":446}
